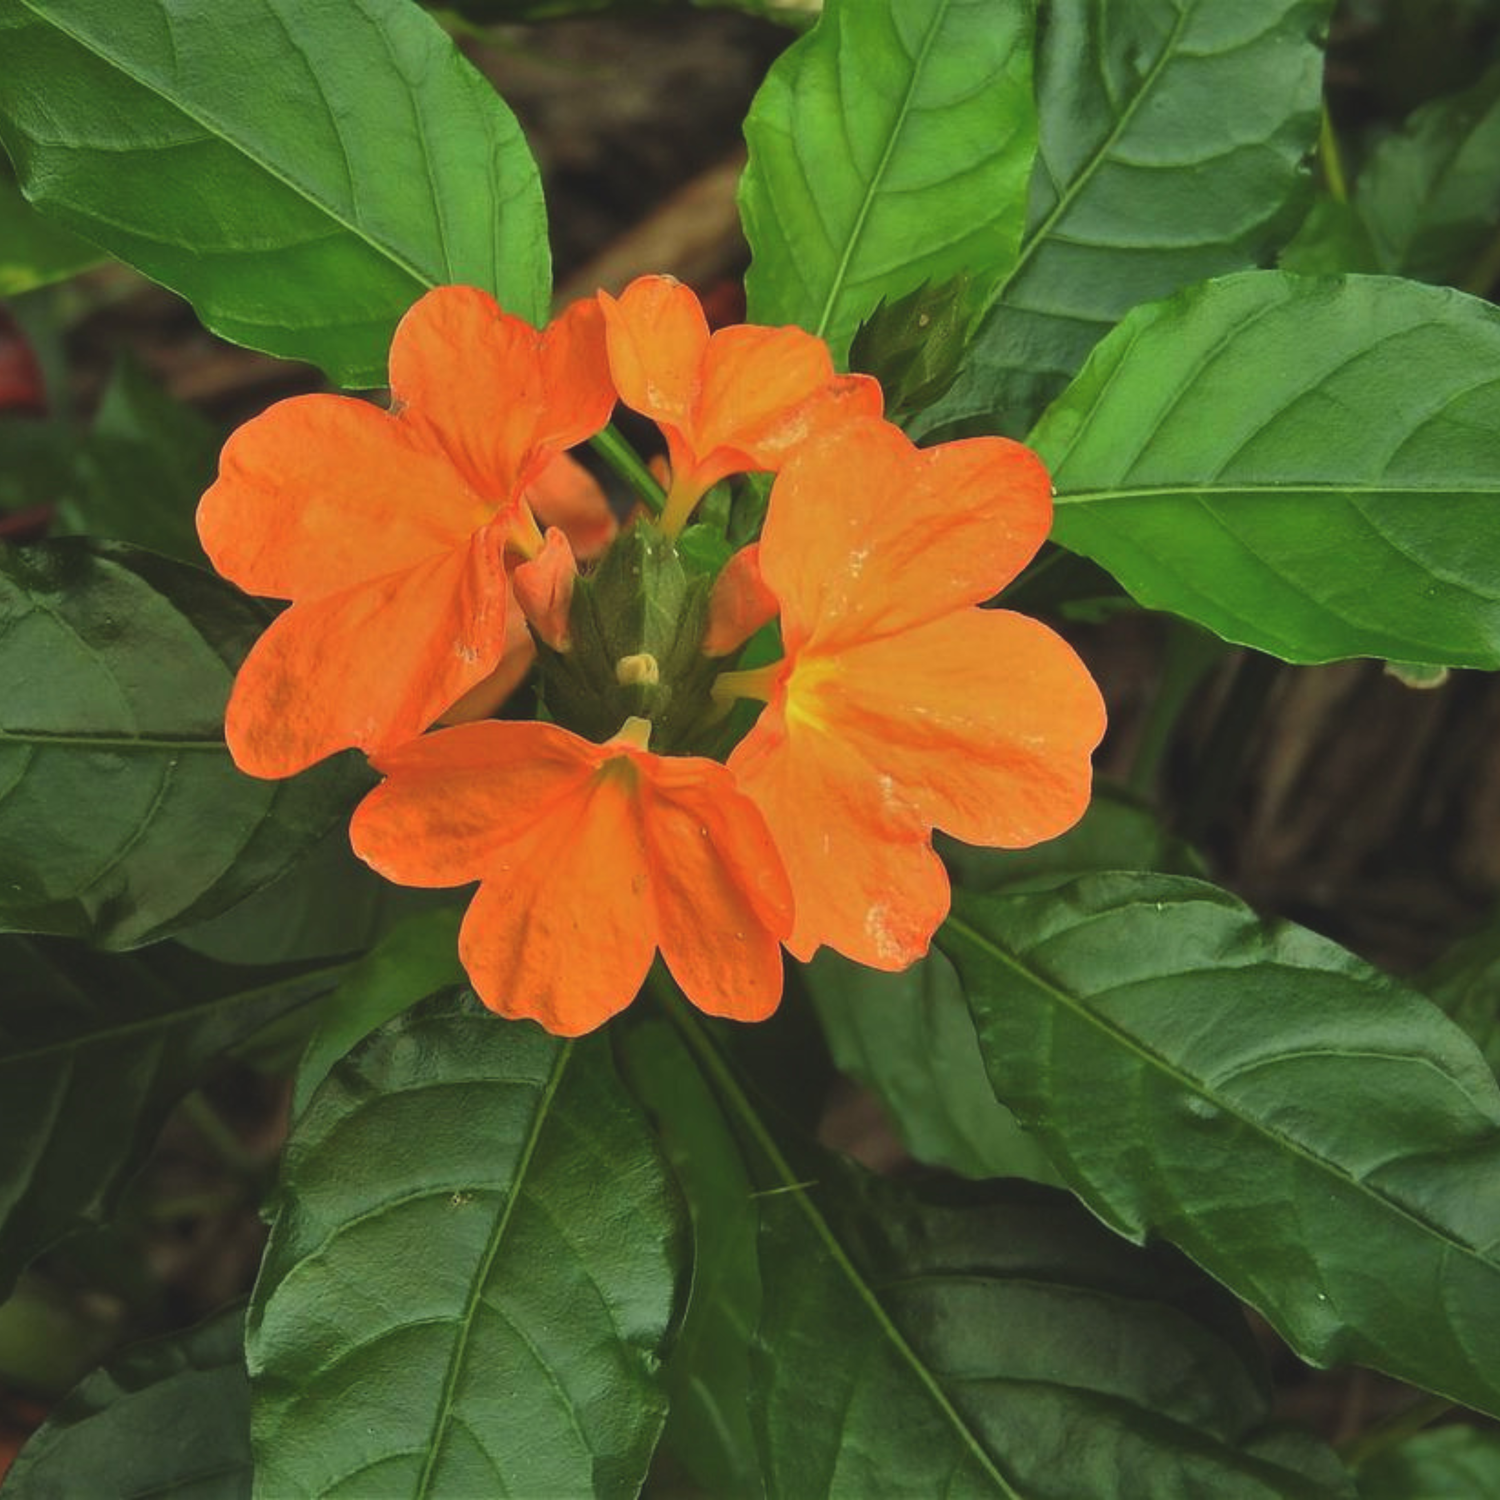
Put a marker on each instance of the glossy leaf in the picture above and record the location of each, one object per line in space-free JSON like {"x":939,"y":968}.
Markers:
{"x":1173,"y":136}
{"x":472,"y":1273}
{"x":938,"y":1343}
{"x":122,"y":817}
{"x":1449,"y":1463}
{"x":1315,"y":1135}
{"x":415,"y":959}
{"x":708,"y":1374}
{"x":889,"y":147}
{"x":33,"y":250}
{"x":909,"y":1036}
{"x":1303,"y":466}
{"x":94,"y":1052}
{"x":357,"y":160}
{"x":1466,"y":983}
{"x":170,"y":1417}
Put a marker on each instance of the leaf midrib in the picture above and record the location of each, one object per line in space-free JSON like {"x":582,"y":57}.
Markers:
{"x":148,"y":743}
{"x":223,"y":135}
{"x":1281,"y":488}
{"x":867,"y":200}
{"x":991,"y":950}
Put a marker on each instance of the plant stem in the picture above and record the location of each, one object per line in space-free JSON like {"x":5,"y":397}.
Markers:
{"x":1189,"y":655}
{"x":1330,"y":160}
{"x":626,"y":462}
{"x":1484,"y":271}
{"x":1229,"y":742}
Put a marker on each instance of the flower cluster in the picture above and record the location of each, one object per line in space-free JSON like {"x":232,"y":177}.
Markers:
{"x":685,"y":792}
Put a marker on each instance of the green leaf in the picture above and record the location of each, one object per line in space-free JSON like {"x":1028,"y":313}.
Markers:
{"x":936,"y":1342}
{"x":301,"y":175}
{"x":708,"y":1375}
{"x":169,"y":1417}
{"x":1429,"y":195}
{"x":415,"y":959}
{"x":1465,"y":982}
{"x":94,"y":1052}
{"x":1450,"y":1463}
{"x":1173,"y":135}
{"x":1316,"y":1136}
{"x":1332,"y":238}
{"x":889,"y":147}
{"x":141,"y":470}
{"x":472,"y":1275}
{"x":122,"y":817}
{"x":33,"y":250}
{"x":1303,"y":466}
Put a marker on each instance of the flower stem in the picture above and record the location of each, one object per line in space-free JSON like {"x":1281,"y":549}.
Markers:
{"x":1331,"y":162}
{"x":1394,"y":1430}
{"x":626,"y":462}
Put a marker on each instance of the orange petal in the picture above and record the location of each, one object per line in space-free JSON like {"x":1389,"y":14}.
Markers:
{"x":982,"y":723}
{"x":516,"y":659}
{"x":492,"y":392}
{"x":657,"y":336}
{"x":739,"y":604}
{"x":866,"y":534}
{"x":861,"y":867}
{"x":371,"y":666}
{"x":566,"y":495}
{"x":543,"y":587}
{"x":322,"y":492}
{"x":766,"y":390}
{"x":722,"y":897}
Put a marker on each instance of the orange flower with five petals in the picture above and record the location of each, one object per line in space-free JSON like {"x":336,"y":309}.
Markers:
{"x":899,"y":705}
{"x":590,"y":858}
{"x":728,"y":402}
{"x":392,"y":532}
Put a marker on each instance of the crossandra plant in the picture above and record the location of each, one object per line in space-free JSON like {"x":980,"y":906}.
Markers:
{"x":683,"y":695}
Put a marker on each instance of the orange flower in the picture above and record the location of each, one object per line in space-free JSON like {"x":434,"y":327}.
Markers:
{"x":728,"y":402}
{"x":590,"y":858}
{"x":899,"y":705}
{"x":391,"y":532}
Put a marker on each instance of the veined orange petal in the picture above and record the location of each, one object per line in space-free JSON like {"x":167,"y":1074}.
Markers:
{"x":982,"y":722}
{"x":516,"y":660}
{"x":866,"y":534}
{"x":322,"y":492}
{"x":657,"y":336}
{"x":860,"y":862}
{"x":566,"y":495}
{"x":739,"y":604}
{"x":370,"y":666}
{"x":565,"y":936}
{"x":723,"y":900}
{"x":495,"y":394}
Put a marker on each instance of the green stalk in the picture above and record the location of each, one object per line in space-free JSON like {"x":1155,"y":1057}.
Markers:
{"x":626,"y":462}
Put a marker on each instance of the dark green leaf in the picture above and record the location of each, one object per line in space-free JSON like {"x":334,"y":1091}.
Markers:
{"x":141,"y":470}
{"x":301,"y":175}
{"x":889,"y":147}
{"x":94,"y":1052}
{"x":1429,"y":196}
{"x":1466,"y":983}
{"x":1451,"y":1463}
{"x":1308,"y":467}
{"x":1004,"y":1344}
{"x":171,"y":1417}
{"x":1173,"y":134}
{"x":1318,"y":1137}
{"x":472,"y":1275}
{"x":708,"y":1374}
{"x":122,"y":817}
{"x":416,"y":958}
{"x":1332,"y":238}
{"x":33,"y":250}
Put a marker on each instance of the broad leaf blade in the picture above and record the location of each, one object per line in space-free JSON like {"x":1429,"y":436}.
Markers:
{"x":1287,"y":1115}
{"x":890,"y":147}
{"x":1303,"y":466}
{"x":301,"y":174}
{"x":171,"y":1417}
{"x":122,"y":817}
{"x":999,"y":1345}
{"x":1450,"y":1463}
{"x":33,"y":250}
{"x":94,"y":1052}
{"x":472,"y":1275}
{"x":1173,"y":135}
